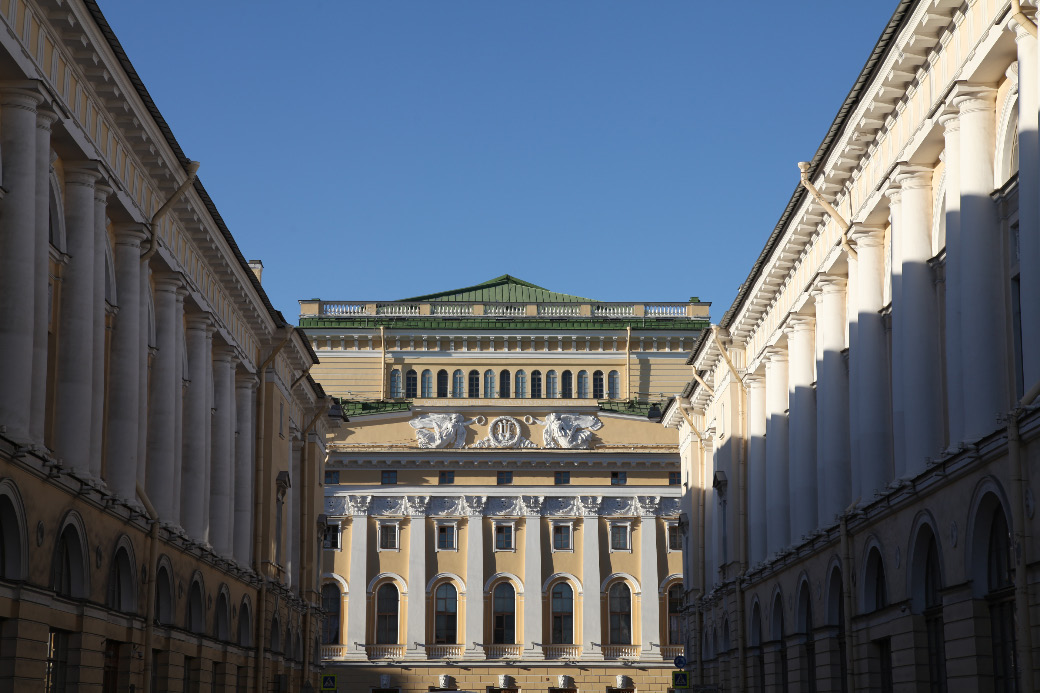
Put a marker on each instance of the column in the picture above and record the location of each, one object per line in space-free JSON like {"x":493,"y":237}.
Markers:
{"x":897,"y":339}
{"x":417,"y":578}
{"x":124,"y":405}
{"x":178,"y":410}
{"x":854,"y":367}
{"x":41,"y":276}
{"x":75,"y":382}
{"x":778,"y":531}
{"x":591,"y":628}
{"x":710,"y":501}
{"x":1028,"y":208}
{"x":196,"y":424}
{"x":872,"y":385}
{"x":757,"y":518}
{"x":983,"y":344}
{"x":17,"y":258}
{"x":921,"y":376}
{"x":801,"y":350}
{"x":649,"y":606}
{"x":164,"y":397}
{"x":143,"y":358}
{"x":533,"y":581}
{"x":245,"y":411}
{"x":357,"y":584}
{"x":474,"y":577}
{"x":99,"y":330}
{"x":832,"y":402}
{"x":297,"y":514}
{"x":221,"y":500}
{"x":954,"y":387}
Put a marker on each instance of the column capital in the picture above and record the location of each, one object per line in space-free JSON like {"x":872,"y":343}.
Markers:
{"x":45,"y":118}
{"x":102,"y":191}
{"x":198,"y":322}
{"x":911,"y":177}
{"x":246,"y":381}
{"x":223,"y":353}
{"x":1021,"y":35}
{"x":130,"y":234}
{"x":755,"y":380}
{"x":26,"y":94}
{"x":832,"y":283}
{"x":799,"y":322}
{"x":774,"y":354}
{"x":869,"y":236}
{"x":168,"y":282}
{"x":970,"y":98}
{"x":950,"y":120}
{"x":85,"y":173}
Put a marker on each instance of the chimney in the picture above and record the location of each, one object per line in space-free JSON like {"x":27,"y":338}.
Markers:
{"x":257,"y":267}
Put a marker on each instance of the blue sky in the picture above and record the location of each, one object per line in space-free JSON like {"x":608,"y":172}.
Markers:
{"x":614,"y":149}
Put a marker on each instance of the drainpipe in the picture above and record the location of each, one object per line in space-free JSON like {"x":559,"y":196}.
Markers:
{"x":846,"y":589}
{"x":803,"y":166}
{"x":628,"y":362}
{"x":308,"y":615}
{"x":300,"y":379}
{"x":382,"y":364}
{"x":149,"y":611}
{"x":1024,"y":21}
{"x":258,"y":507}
{"x":706,"y":386}
{"x":703,"y":574}
{"x":1019,"y":480}
{"x":153,"y":242}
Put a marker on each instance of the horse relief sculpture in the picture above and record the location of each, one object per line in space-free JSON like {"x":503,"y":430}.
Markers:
{"x":439,"y":430}
{"x":570,"y":431}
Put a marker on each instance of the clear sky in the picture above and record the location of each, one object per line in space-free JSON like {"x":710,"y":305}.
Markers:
{"x":615,"y":149}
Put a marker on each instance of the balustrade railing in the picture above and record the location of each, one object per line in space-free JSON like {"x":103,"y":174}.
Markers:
{"x":503,"y":651}
{"x":385,"y":651}
{"x":602,"y":311}
{"x":561,"y":651}
{"x":344,"y":309}
{"x":665,"y":310}
{"x":620,"y":651}
{"x":504,"y":310}
{"x":397,"y":309}
{"x":556,"y":310}
{"x":670,"y":652}
{"x":334,"y":651}
{"x":605,"y":310}
{"x":442,"y":651}
{"x":451,"y":309}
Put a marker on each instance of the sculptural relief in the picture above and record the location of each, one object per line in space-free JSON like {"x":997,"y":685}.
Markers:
{"x":504,"y":432}
{"x":439,"y":430}
{"x":570,"y":431}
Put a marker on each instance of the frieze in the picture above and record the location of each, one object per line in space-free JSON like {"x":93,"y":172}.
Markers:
{"x":502,"y":506}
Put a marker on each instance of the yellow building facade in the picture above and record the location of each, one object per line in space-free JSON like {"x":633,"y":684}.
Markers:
{"x":161,"y":446}
{"x":502,"y":506}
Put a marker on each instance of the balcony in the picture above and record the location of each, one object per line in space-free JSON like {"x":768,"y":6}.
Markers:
{"x":503,"y":651}
{"x":384,"y":651}
{"x":568,"y":652}
{"x":442,"y":651}
{"x":670,"y":652}
{"x":616,"y":652}
{"x":335,"y":651}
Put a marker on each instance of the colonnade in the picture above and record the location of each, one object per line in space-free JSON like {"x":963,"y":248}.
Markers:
{"x":118,"y":408}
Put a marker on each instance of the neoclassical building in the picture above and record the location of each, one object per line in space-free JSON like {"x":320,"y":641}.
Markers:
{"x":161,"y":446}
{"x":860,"y":436}
{"x":503,"y":505}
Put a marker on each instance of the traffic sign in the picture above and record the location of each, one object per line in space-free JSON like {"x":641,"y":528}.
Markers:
{"x":680,"y":662}
{"x":328,"y":682}
{"x":680,"y":679}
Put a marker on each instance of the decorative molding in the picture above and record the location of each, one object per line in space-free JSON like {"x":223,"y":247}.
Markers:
{"x":338,"y":506}
{"x":439,"y":430}
{"x":504,"y":432}
{"x":405,"y":505}
{"x":570,"y":431}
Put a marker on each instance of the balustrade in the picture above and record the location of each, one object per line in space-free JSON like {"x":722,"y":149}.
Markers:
{"x":442,"y":651}
{"x":384,"y":651}
{"x":562,"y":651}
{"x":503,"y":651}
{"x":620,"y":651}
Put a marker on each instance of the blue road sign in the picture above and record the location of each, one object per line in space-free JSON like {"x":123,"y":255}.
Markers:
{"x":328,"y":682}
{"x":680,"y":662}
{"x":680,"y":679}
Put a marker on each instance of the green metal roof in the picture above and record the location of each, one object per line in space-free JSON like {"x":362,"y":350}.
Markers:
{"x":354,"y":408}
{"x":631,"y":407}
{"x":504,"y":289}
{"x":504,"y":323}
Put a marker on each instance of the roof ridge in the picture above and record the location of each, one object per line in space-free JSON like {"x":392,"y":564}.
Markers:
{"x":501,"y":280}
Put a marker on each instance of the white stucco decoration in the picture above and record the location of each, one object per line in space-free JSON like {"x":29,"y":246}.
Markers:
{"x":570,"y":431}
{"x":439,"y":430}
{"x":504,"y":432}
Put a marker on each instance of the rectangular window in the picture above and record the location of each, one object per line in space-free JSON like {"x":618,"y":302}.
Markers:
{"x":505,"y":478}
{"x":618,"y":478}
{"x":446,"y":478}
{"x":388,"y":537}
{"x":332,"y":537}
{"x":503,"y":537}
{"x":57,"y":661}
{"x":674,"y":478}
{"x":562,"y":478}
{"x":619,"y":538}
{"x":388,"y":477}
{"x":331,"y":477}
{"x":674,"y":538}
{"x":446,"y":538}
{"x":562,"y":538}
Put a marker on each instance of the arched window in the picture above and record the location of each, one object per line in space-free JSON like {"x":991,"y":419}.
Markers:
{"x":222,"y":618}
{"x":276,"y":636}
{"x":474,"y":384}
{"x":675,"y":599}
{"x":330,"y":604}
{"x":536,"y":384}
{"x":583,"y":384}
{"x":758,"y":653}
{"x":562,"y":599}
{"x":427,"y":383}
{"x":551,"y":388}
{"x":619,"y":599}
{"x":489,"y":383}
{"x":933,"y":617}
{"x":614,"y":385}
{"x":1000,"y":584}
{"x":521,"y":385}
{"x":12,"y":535}
{"x":503,"y":623}
{"x":458,"y":384}
{"x":70,"y":572}
{"x":411,"y":382}
{"x":245,"y":624}
{"x":567,"y":385}
{"x":875,"y":592}
{"x":446,"y":612}
{"x":779,"y":636}
{"x":396,"y":391}
{"x":503,"y":384}
{"x":805,"y":626}
{"x":597,"y":385}
{"x":386,"y":614}
{"x":836,"y":617}
{"x":442,"y":383}
{"x":122,"y":587}
{"x":163,"y":596}
{"x":196,"y":608}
